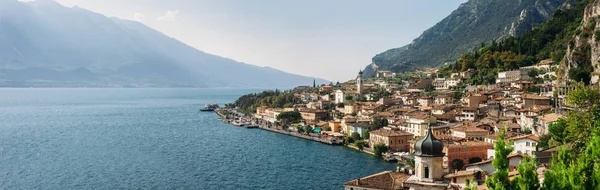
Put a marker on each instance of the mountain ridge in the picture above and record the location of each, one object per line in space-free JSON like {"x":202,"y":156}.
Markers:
{"x":463,"y":31}
{"x":44,"y":35}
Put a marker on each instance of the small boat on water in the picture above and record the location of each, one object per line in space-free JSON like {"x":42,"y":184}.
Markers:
{"x":210,"y":107}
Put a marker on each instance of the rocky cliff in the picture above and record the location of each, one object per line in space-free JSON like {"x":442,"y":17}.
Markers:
{"x":582,"y":59}
{"x":473,"y":23}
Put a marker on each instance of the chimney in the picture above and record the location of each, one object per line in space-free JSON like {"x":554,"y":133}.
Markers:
{"x":358,"y":181}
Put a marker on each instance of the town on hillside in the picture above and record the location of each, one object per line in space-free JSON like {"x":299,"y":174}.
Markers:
{"x":440,"y":130}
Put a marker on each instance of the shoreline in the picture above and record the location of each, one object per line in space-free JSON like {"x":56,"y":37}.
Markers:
{"x":261,"y":124}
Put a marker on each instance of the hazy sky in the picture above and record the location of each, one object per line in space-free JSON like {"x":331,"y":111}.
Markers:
{"x":331,"y":39}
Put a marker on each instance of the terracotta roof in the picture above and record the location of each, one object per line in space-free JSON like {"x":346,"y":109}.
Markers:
{"x":383,"y":180}
{"x":531,"y":137}
{"x":419,"y":116}
{"x":550,"y":117}
{"x":461,"y":173}
{"x":469,"y":129}
{"x":389,"y":133}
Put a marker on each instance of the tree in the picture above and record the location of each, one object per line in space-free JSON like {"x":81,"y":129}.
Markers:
{"x":314,"y":83}
{"x":379,"y":149}
{"x":584,"y":97}
{"x":355,"y":136}
{"x":527,"y":131}
{"x":429,"y":88}
{"x":327,"y":128}
{"x":289,"y":116}
{"x":557,"y":130}
{"x":471,"y":185}
{"x":349,"y":140}
{"x":457,"y":164}
{"x":349,"y":98}
{"x":378,"y":124}
{"x":360,"y":144}
{"x":308,"y":129}
{"x":474,"y":160}
{"x":499,"y":180}
{"x":528,"y":177}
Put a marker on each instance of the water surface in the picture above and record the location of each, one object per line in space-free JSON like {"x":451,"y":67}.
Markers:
{"x":155,"y":139}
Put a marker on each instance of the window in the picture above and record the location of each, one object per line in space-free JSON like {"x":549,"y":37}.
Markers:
{"x":527,"y":143}
{"x":426,"y":172}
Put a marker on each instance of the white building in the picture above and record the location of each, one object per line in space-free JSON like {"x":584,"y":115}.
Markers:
{"x":339,"y":97}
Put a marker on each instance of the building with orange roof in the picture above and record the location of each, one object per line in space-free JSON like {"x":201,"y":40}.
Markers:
{"x":387,"y":180}
{"x":396,"y":140}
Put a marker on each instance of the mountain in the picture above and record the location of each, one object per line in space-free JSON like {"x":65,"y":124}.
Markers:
{"x":43,"y":43}
{"x":464,"y":30}
{"x":569,"y":39}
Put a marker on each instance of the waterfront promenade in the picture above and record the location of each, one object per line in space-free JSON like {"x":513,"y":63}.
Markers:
{"x":237,"y":119}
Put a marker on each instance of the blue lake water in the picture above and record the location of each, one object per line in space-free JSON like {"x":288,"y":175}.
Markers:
{"x":156,"y":139}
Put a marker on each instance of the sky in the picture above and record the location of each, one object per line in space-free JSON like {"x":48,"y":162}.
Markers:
{"x":330,"y":39}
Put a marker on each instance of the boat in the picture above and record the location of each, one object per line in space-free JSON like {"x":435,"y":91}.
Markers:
{"x":210,"y":107}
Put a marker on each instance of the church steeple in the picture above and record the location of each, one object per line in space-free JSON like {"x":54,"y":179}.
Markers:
{"x":429,"y":158}
{"x":359,"y":82}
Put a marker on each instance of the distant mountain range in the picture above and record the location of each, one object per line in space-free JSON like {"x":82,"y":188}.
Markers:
{"x":43,"y":43}
{"x":465,"y":29}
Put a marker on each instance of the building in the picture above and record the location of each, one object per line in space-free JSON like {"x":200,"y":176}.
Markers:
{"x":339,"y":97}
{"x":459,"y":178}
{"x":429,"y":171}
{"x":397,"y":141}
{"x":512,"y":76}
{"x":335,"y":126}
{"x":535,"y":100}
{"x":313,"y":115}
{"x":425,"y":100}
{"x":385,"y":74}
{"x":359,"y":83}
{"x":442,"y":100}
{"x":525,"y":144}
{"x":544,"y":121}
{"x":387,"y":180}
{"x":417,"y":124}
{"x":464,"y":151}
{"x":469,"y":132}
{"x":467,"y":114}
{"x":362,"y":128}
{"x":487,"y":167}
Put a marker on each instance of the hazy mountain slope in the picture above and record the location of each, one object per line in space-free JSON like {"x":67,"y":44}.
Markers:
{"x":464,"y":30}
{"x":44,"y":41}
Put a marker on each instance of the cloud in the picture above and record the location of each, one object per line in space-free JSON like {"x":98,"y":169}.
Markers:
{"x":138,"y":17}
{"x":169,"y":16}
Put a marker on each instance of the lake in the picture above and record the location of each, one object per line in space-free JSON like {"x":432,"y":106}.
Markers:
{"x":156,"y":139}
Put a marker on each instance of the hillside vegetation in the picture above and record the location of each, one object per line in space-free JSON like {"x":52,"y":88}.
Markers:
{"x":546,"y":41}
{"x":463,"y":31}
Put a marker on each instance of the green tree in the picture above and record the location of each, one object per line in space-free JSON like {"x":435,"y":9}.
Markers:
{"x":499,"y":179}
{"x":349,"y":140}
{"x":360,"y":144}
{"x":378,"y":124}
{"x":458,"y":164}
{"x":474,"y":160}
{"x":557,"y":130}
{"x":289,"y":116}
{"x":355,"y":136}
{"x":379,"y":149}
{"x":584,"y":97}
{"x":471,"y":185}
{"x":528,"y":177}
